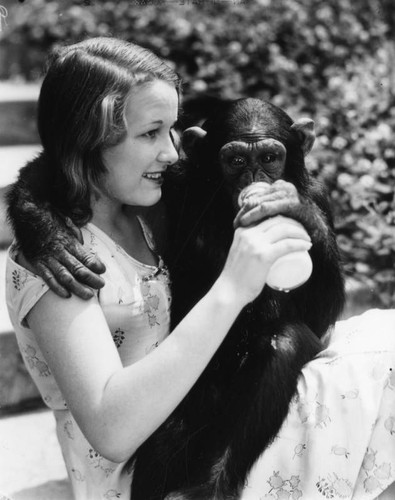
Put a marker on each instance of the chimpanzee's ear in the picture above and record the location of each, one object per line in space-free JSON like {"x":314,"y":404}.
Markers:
{"x":305,"y":130}
{"x":191,"y":137}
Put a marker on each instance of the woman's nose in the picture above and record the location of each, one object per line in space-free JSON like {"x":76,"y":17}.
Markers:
{"x":169,"y":153}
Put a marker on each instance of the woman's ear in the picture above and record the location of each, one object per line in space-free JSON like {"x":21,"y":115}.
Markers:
{"x":191,"y":138}
{"x":304,"y":127}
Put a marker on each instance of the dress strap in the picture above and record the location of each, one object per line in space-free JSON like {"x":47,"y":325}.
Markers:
{"x":149,"y":237}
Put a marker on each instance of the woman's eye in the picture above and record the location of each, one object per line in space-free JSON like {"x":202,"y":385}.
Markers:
{"x":268,"y":158}
{"x":151,"y":134}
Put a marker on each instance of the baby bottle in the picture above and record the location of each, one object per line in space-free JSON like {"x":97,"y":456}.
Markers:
{"x":289,"y":271}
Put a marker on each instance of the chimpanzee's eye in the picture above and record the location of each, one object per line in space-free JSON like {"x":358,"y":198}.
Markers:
{"x":268,"y":158}
{"x":238,"y":161}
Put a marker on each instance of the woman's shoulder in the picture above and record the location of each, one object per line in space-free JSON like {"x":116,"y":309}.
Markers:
{"x":100,"y":243}
{"x":94,"y":238}
{"x":121,"y":269}
{"x":23,"y":287}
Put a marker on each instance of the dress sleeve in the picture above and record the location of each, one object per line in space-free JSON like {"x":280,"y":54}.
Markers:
{"x":24,"y":290}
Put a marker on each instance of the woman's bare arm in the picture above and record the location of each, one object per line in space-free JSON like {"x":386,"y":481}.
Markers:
{"x":118,"y":408}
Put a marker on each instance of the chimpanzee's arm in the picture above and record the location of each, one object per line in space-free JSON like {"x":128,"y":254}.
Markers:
{"x":313,"y":212}
{"x":49,"y":241}
{"x":282,"y":198}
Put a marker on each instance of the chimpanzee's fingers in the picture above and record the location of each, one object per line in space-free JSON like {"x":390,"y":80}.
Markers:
{"x":261,"y":202}
{"x":255,"y":214}
{"x":43,"y":271}
{"x":88,"y":259}
{"x":248,"y":217}
{"x":241,"y":212}
{"x":67,"y":280}
{"x":263,"y":211}
{"x":75,"y":230}
{"x":270,"y":196}
{"x":80,"y":272}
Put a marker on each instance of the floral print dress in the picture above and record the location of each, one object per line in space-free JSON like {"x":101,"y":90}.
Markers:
{"x":136,"y":303}
{"x":338,"y":441}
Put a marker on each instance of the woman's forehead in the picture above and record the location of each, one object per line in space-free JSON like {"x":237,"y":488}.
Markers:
{"x":154,"y":101}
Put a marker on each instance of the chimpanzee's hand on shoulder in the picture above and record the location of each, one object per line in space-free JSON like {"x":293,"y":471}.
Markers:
{"x":51,"y":243}
{"x":64,"y":264}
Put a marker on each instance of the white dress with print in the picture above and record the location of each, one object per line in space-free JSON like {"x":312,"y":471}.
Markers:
{"x":338,"y":441}
{"x":136,"y":303}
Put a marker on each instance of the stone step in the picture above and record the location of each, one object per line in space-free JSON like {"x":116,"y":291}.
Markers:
{"x":31,"y":462}
{"x":18,"y":112}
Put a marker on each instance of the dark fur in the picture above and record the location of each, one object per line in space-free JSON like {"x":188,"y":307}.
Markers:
{"x":207,"y":447}
{"x":34,"y":212}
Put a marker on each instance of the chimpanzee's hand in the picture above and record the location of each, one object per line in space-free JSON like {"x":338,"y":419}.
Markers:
{"x":49,"y":242}
{"x":264,"y":200}
{"x":65,"y":265}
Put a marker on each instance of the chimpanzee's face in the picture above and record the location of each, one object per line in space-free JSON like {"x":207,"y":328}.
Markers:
{"x":246,"y":161}
{"x":250,"y":140}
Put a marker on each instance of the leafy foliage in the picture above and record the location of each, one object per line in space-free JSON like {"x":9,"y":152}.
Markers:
{"x":332,"y":60}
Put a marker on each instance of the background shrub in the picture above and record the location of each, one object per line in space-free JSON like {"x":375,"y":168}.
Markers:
{"x":332,"y":60}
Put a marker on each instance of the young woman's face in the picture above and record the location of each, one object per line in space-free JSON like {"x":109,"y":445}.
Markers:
{"x":136,"y":165}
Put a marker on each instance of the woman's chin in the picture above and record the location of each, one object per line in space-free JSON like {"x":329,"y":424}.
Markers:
{"x":151,"y":198}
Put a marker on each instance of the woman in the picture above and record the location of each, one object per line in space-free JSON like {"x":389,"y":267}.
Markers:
{"x":106,"y":115}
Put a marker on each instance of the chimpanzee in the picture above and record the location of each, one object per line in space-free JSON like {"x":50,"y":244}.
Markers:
{"x":206,"y":448}
{"x":236,"y":408}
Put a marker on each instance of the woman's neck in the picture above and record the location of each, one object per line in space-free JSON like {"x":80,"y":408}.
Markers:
{"x":111,"y":218}
{"x":120,"y":223}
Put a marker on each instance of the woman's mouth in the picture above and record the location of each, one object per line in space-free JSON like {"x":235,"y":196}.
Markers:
{"x":154,"y":176}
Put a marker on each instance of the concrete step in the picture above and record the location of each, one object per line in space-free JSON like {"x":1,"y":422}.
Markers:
{"x":31,"y":462}
{"x":18,"y":112}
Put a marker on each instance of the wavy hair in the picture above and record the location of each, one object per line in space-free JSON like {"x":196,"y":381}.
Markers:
{"x":81,"y":112}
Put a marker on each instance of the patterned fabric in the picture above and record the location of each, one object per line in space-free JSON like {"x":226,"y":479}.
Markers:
{"x":338,"y":441}
{"x":136,"y":303}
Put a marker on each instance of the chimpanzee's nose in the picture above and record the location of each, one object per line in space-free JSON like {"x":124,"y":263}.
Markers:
{"x":258,"y":175}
